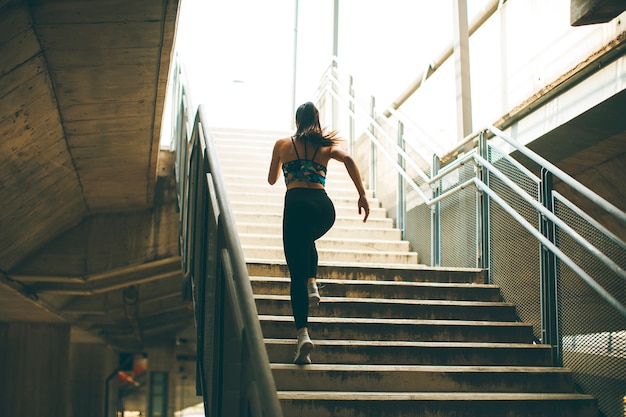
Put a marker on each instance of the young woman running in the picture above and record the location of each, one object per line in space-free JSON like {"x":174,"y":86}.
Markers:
{"x":308,"y":212}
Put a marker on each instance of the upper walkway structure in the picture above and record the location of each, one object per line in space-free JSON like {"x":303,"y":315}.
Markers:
{"x":88,"y":216}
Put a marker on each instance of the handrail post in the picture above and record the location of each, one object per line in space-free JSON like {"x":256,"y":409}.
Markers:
{"x":483,"y":207}
{"x":351,"y":115}
{"x":334,"y":102}
{"x":435,"y":223}
{"x":373,"y":161}
{"x":549,"y":298}
{"x":400,"y":198}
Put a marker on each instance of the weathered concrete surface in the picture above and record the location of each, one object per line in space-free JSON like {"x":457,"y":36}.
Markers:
{"x":88,"y":206}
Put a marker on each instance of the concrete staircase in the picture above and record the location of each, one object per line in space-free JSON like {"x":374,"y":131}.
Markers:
{"x":245,"y":158}
{"x":393,"y":338}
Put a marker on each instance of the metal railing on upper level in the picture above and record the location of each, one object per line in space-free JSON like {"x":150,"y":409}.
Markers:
{"x":492,"y":203}
{"x":233,"y":373}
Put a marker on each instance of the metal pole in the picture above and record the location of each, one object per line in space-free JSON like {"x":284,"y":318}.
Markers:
{"x":335,"y":31}
{"x":295,"y":64}
{"x":462,"y":69}
{"x":334,"y":104}
{"x":483,"y":217}
{"x":401,"y":200}
{"x":351,"y":107}
{"x":435,"y":228}
{"x":373,"y":161}
{"x":549,"y":301}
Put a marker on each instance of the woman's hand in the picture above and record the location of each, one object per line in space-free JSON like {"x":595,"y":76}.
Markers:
{"x":365,"y":207}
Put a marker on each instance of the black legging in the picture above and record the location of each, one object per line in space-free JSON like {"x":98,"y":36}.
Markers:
{"x":308,"y":214}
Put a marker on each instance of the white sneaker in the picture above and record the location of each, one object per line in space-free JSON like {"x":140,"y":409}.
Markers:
{"x":304,"y":347}
{"x":314,"y":295}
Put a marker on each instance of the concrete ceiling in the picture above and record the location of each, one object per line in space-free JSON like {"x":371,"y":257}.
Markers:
{"x":87,"y":206}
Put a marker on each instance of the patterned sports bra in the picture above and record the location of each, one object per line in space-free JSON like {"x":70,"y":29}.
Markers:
{"x":305,"y":170}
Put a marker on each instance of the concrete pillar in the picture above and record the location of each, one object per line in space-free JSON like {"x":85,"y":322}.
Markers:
{"x":462,"y":69}
{"x":34,"y":369}
{"x":90,"y":364}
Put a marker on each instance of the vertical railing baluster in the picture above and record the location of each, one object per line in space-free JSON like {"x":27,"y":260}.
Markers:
{"x":373,"y":159}
{"x":549,"y":302}
{"x":483,"y":209}
{"x":435,"y":223}
{"x":400,"y":195}
{"x":351,"y":114}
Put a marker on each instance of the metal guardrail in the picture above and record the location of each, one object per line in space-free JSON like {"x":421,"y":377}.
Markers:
{"x":233,"y":371}
{"x":570,"y":242}
{"x":331,"y":89}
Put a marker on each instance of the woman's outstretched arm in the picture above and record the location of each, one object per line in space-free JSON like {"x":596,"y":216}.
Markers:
{"x":353,"y":170}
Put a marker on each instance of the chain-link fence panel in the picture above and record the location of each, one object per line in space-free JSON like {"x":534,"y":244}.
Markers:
{"x":514,"y":252}
{"x":418,"y":233}
{"x":459,"y":227}
{"x":593,"y":332}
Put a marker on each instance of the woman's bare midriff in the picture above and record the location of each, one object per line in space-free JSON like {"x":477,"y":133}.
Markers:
{"x":304,"y":184}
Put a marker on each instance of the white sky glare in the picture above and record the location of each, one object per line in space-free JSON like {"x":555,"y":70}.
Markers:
{"x":238,"y":54}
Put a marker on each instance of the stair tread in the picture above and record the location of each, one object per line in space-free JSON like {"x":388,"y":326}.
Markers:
{"x":328,"y":239}
{"x":323,"y":263}
{"x":336,"y":299}
{"x":330,"y":250}
{"x":429,"y":396}
{"x":355,"y":320}
{"x":338,"y":281}
{"x":401,"y":343}
{"x":352,"y":368}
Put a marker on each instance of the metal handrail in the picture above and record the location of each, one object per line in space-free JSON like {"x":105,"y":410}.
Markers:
{"x":547,"y":243}
{"x":235,"y":263}
{"x":371,"y":121}
{"x":249,"y":314}
{"x":552,"y":217}
{"x":454,"y":162}
{"x":574,"y":208}
{"x":601,"y":202}
{"x":400,"y":170}
{"x":215,"y":270}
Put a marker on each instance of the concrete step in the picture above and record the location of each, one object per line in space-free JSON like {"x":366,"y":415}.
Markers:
{"x":388,"y":273}
{"x":336,"y":232}
{"x":260,"y":185}
{"x":435,"y":404}
{"x":248,"y":239}
{"x":326,"y":328}
{"x":260,"y":156}
{"x":276,"y":254}
{"x":384,"y":289}
{"x":262,"y":207}
{"x":251,"y":175}
{"x":226,"y":133}
{"x":279,"y":198}
{"x":257,"y":162}
{"x":422,"y":378}
{"x":260,"y":176}
{"x":384,"y":352}
{"x":277,"y":218}
{"x":347,"y":307}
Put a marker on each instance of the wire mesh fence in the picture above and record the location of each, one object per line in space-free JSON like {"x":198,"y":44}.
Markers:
{"x":591,"y":330}
{"x":593,"y":333}
{"x":514,"y":252}
{"x":459,"y":237}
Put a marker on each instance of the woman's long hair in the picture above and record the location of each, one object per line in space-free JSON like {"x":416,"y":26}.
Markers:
{"x":309,"y":128}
